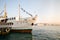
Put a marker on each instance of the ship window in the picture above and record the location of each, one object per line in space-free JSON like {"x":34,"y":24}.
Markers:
{"x":9,"y":24}
{"x":12,"y":18}
{"x":12,"y":23}
{"x":2,"y":20}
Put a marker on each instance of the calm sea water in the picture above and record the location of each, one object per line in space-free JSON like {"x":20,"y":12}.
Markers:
{"x":38,"y":33}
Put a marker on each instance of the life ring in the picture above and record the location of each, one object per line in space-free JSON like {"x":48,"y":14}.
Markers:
{"x":8,"y":29}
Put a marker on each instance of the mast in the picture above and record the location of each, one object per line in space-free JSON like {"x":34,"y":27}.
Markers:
{"x":5,"y":13}
{"x":19,"y":11}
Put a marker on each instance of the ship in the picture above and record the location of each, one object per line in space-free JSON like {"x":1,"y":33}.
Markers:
{"x":18,"y":24}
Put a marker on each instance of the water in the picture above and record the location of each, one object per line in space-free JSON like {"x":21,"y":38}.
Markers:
{"x":38,"y":33}
{"x":17,"y":36}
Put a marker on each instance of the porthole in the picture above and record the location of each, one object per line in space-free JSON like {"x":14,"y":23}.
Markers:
{"x":12,"y":23}
{"x":14,"y":17}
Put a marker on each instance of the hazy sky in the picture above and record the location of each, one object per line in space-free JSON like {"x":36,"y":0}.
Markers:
{"x":48,"y":11}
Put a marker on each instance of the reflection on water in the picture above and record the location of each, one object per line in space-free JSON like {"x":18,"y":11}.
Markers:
{"x":38,"y":33}
{"x":17,"y":36}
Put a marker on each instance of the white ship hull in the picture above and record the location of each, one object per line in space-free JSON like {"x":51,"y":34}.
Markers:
{"x":19,"y":26}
